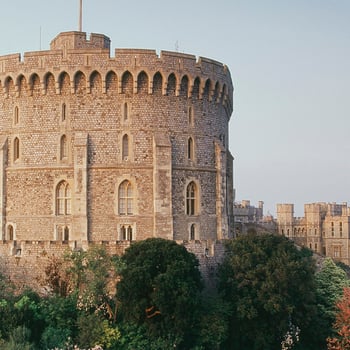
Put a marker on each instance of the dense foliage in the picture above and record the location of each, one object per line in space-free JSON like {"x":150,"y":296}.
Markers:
{"x":269,"y":297}
{"x":160,"y":289}
{"x":270,"y":285}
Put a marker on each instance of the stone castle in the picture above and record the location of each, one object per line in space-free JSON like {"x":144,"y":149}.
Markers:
{"x":325,"y":228}
{"x":102,"y":149}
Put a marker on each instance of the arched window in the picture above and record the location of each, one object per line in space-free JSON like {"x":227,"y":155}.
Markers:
{"x":125,"y":198}
{"x":192,"y":232}
{"x":16,"y":116}
{"x":126,"y":233}
{"x":191,"y":194}
{"x":125,"y":111}
{"x":190,"y":147}
{"x":125,"y":147}
{"x":10,"y":232}
{"x":64,"y":112}
{"x":16,"y":150}
{"x":63,"y":199}
{"x":63,"y":147}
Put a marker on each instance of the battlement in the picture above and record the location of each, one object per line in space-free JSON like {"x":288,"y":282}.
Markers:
{"x":72,"y":54}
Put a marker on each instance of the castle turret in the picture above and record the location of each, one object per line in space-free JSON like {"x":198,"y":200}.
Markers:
{"x":285,"y":218}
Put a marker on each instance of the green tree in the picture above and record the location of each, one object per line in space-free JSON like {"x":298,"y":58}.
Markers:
{"x":160,"y":289}
{"x":330,"y":282}
{"x":270,"y":285}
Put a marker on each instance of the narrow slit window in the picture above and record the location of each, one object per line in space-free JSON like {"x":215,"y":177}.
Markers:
{"x":192,"y":232}
{"x":126,"y":111}
{"x":63,"y":147}
{"x":16,"y":149}
{"x":125,"y":147}
{"x":64,"y":112}
{"x":16,"y":116}
{"x":190,"y":148}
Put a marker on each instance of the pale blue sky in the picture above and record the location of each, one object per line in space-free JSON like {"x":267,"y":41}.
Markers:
{"x":290,"y":65}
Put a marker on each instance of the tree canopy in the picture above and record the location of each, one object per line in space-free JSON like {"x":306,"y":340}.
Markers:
{"x":270,"y":284}
{"x":160,"y":288}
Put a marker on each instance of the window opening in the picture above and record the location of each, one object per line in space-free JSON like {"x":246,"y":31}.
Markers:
{"x":190,"y":148}
{"x":64,"y":147}
{"x":16,"y":149}
{"x":190,"y":198}
{"x":64,"y":111}
{"x":63,"y":199}
{"x":125,"y":198}
{"x":126,"y":233}
{"x":16,"y":115}
{"x":66,"y":233}
{"x":126,"y":111}
{"x":125,"y":147}
{"x":10,"y":232}
{"x":192,"y":232}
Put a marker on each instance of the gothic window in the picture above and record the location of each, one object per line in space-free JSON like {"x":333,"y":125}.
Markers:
{"x":192,"y":232}
{"x":125,"y":147}
{"x":63,"y":147}
{"x":191,"y":198}
{"x":126,"y":233}
{"x":190,"y":150}
{"x":16,"y":149}
{"x":125,"y":198}
{"x":16,"y":116}
{"x":63,"y":199}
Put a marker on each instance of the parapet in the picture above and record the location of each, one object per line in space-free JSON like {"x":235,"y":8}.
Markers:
{"x":285,"y":208}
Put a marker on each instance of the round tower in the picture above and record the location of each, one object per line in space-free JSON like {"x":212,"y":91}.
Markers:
{"x":101,"y":148}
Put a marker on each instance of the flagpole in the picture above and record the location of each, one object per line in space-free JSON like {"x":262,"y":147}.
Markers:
{"x":81,"y":16}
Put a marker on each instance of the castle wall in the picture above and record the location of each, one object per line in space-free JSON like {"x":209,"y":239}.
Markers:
{"x":24,"y":263}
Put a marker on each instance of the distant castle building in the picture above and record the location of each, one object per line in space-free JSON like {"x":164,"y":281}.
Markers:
{"x":248,"y":217}
{"x":95,"y":148}
{"x":325,"y":228}
{"x":246,"y":213}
